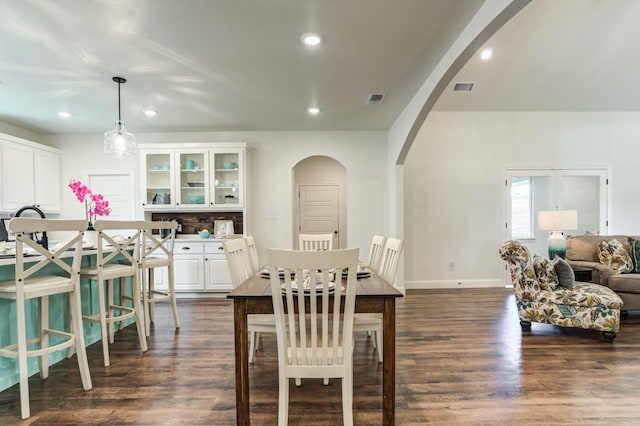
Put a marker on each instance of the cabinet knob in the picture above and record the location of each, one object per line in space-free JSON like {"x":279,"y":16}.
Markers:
{"x":186,"y":248}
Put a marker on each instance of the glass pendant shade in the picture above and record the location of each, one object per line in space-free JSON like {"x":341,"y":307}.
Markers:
{"x":118,"y":142}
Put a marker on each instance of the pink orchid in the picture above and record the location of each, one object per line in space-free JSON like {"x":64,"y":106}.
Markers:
{"x":94,"y":204}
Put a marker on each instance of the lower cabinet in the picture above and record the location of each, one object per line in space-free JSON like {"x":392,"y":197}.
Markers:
{"x":199,"y":266}
{"x":217,"y":277}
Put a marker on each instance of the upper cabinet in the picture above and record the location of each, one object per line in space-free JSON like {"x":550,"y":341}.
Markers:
{"x":194,"y":177}
{"x":30,"y":175}
{"x":227,"y":177}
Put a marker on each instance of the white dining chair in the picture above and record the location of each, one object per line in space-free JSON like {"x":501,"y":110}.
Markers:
{"x":117,"y":258}
{"x":375,"y":253}
{"x":157,"y":252}
{"x":315,"y":241}
{"x":253,"y":253}
{"x":372,"y":323}
{"x":61,"y":278}
{"x":315,"y":340}
{"x":239,"y":264}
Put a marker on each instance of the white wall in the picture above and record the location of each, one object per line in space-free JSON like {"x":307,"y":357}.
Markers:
{"x":272,"y":155}
{"x":453,"y":183}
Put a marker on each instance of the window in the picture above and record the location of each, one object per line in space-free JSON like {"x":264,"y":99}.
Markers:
{"x":521,"y":208}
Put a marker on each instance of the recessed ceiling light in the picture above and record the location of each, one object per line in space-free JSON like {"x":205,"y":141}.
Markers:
{"x":311,"y":39}
{"x":150,"y":113}
{"x":486,"y":54}
{"x":314,"y":110}
{"x":64,"y":114}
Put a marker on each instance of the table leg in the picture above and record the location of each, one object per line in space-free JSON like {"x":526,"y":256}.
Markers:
{"x":389,"y":362}
{"x":242,"y":362}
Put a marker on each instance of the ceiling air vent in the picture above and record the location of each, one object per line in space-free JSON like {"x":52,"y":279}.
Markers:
{"x":463,"y":87}
{"x":375,"y":98}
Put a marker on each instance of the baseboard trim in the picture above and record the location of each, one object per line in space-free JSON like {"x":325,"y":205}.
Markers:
{"x":441,"y":284}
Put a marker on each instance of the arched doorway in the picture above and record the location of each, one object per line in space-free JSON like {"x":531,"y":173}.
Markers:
{"x":319,"y":198}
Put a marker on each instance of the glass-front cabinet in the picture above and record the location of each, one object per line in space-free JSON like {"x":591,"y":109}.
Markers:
{"x":192,"y":181}
{"x":196,"y":176}
{"x":227,"y":177}
{"x":158,"y":180}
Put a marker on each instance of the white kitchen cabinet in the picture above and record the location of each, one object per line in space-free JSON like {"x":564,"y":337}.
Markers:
{"x":217,"y":276}
{"x":194,"y":177}
{"x":188,"y":261}
{"x":227,"y":177}
{"x":30,"y":176}
{"x":157,"y":177}
{"x":192,"y":184}
{"x":199,"y":266}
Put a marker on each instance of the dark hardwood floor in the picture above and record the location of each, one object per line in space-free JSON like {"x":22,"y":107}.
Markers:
{"x":461,"y":359}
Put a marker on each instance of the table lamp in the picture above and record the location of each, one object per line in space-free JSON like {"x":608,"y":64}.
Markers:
{"x":557,"y":221}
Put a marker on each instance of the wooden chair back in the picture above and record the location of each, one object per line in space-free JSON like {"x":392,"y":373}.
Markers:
{"x":238,"y":260}
{"x":253,"y":254}
{"x":390,"y":258}
{"x":375,"y":253}
{"x":315,"y":242}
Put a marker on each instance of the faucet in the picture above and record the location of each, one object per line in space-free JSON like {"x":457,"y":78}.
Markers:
{"x":44,"y":241}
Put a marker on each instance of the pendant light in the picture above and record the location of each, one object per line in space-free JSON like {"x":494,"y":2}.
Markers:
{"x":118,"y":142}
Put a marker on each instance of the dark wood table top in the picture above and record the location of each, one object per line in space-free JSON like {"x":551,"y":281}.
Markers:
{"x":258,"y":286}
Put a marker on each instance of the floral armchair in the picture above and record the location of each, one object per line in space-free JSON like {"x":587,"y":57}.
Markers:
{"x":586,"y":305}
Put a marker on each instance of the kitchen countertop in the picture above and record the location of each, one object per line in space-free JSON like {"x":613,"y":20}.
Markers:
{"x":196,"y":237}
{"x":179,"y":237}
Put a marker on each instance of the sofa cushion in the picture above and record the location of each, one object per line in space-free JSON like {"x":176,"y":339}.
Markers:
{"x":545,"y":272}
{"x":635,"y":253}
{"x":566,"y":277}
{"x":612,"y":253}
{"x":583,"y":294}
{"x":584,"y":247}
{"x":624,"y":283}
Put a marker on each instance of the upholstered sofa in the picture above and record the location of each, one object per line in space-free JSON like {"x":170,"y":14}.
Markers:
{"x":582,"y":252}
{"x":585,"y":305}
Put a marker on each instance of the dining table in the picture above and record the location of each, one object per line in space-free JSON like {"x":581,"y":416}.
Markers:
{"x":373,"y":295}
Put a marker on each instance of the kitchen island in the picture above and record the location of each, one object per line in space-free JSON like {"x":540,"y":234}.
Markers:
{"x":58,"y":316}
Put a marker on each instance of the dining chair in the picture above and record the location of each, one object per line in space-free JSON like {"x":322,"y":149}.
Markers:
{"x":253,"y":253}
{"x":28,"y":286}
{"x":157,"y":252}
{"x":375,"y":253}
{"x":315,"y":340}
{"x":315,"y":241}
{"x":239,"y":264}
{"x":372,"y":323}
{"x":117,"y":258}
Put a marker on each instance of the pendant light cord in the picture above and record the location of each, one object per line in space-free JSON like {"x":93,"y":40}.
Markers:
{"x":119,"y":80}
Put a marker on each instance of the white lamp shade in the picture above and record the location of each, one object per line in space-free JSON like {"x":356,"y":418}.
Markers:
{"x":558,"y":220}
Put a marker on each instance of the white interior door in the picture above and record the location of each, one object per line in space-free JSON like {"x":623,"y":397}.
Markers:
{"x":318,"y":210}
{"x":118,"y":189}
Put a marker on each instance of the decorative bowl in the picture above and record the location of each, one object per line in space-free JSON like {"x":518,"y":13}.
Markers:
{"x":204,"y":234}
{"x":230,"y":165}
{"x":196,"y":199}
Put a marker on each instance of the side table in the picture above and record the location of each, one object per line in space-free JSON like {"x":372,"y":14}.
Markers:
{"x":582,"y":274}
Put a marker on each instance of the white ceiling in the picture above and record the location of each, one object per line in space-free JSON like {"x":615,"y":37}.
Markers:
{"x":223,"y":65}
{"x":557,"y":55}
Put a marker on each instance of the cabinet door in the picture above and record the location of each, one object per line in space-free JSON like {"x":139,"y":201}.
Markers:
{"x":18,"y":179}
{"x":189,"y":269}
{"x":192,"y":183}
{"x":157,"y":179}
{"x":227,"y":177}
{"x":47,"y":180}
{"x":217,"y":274}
